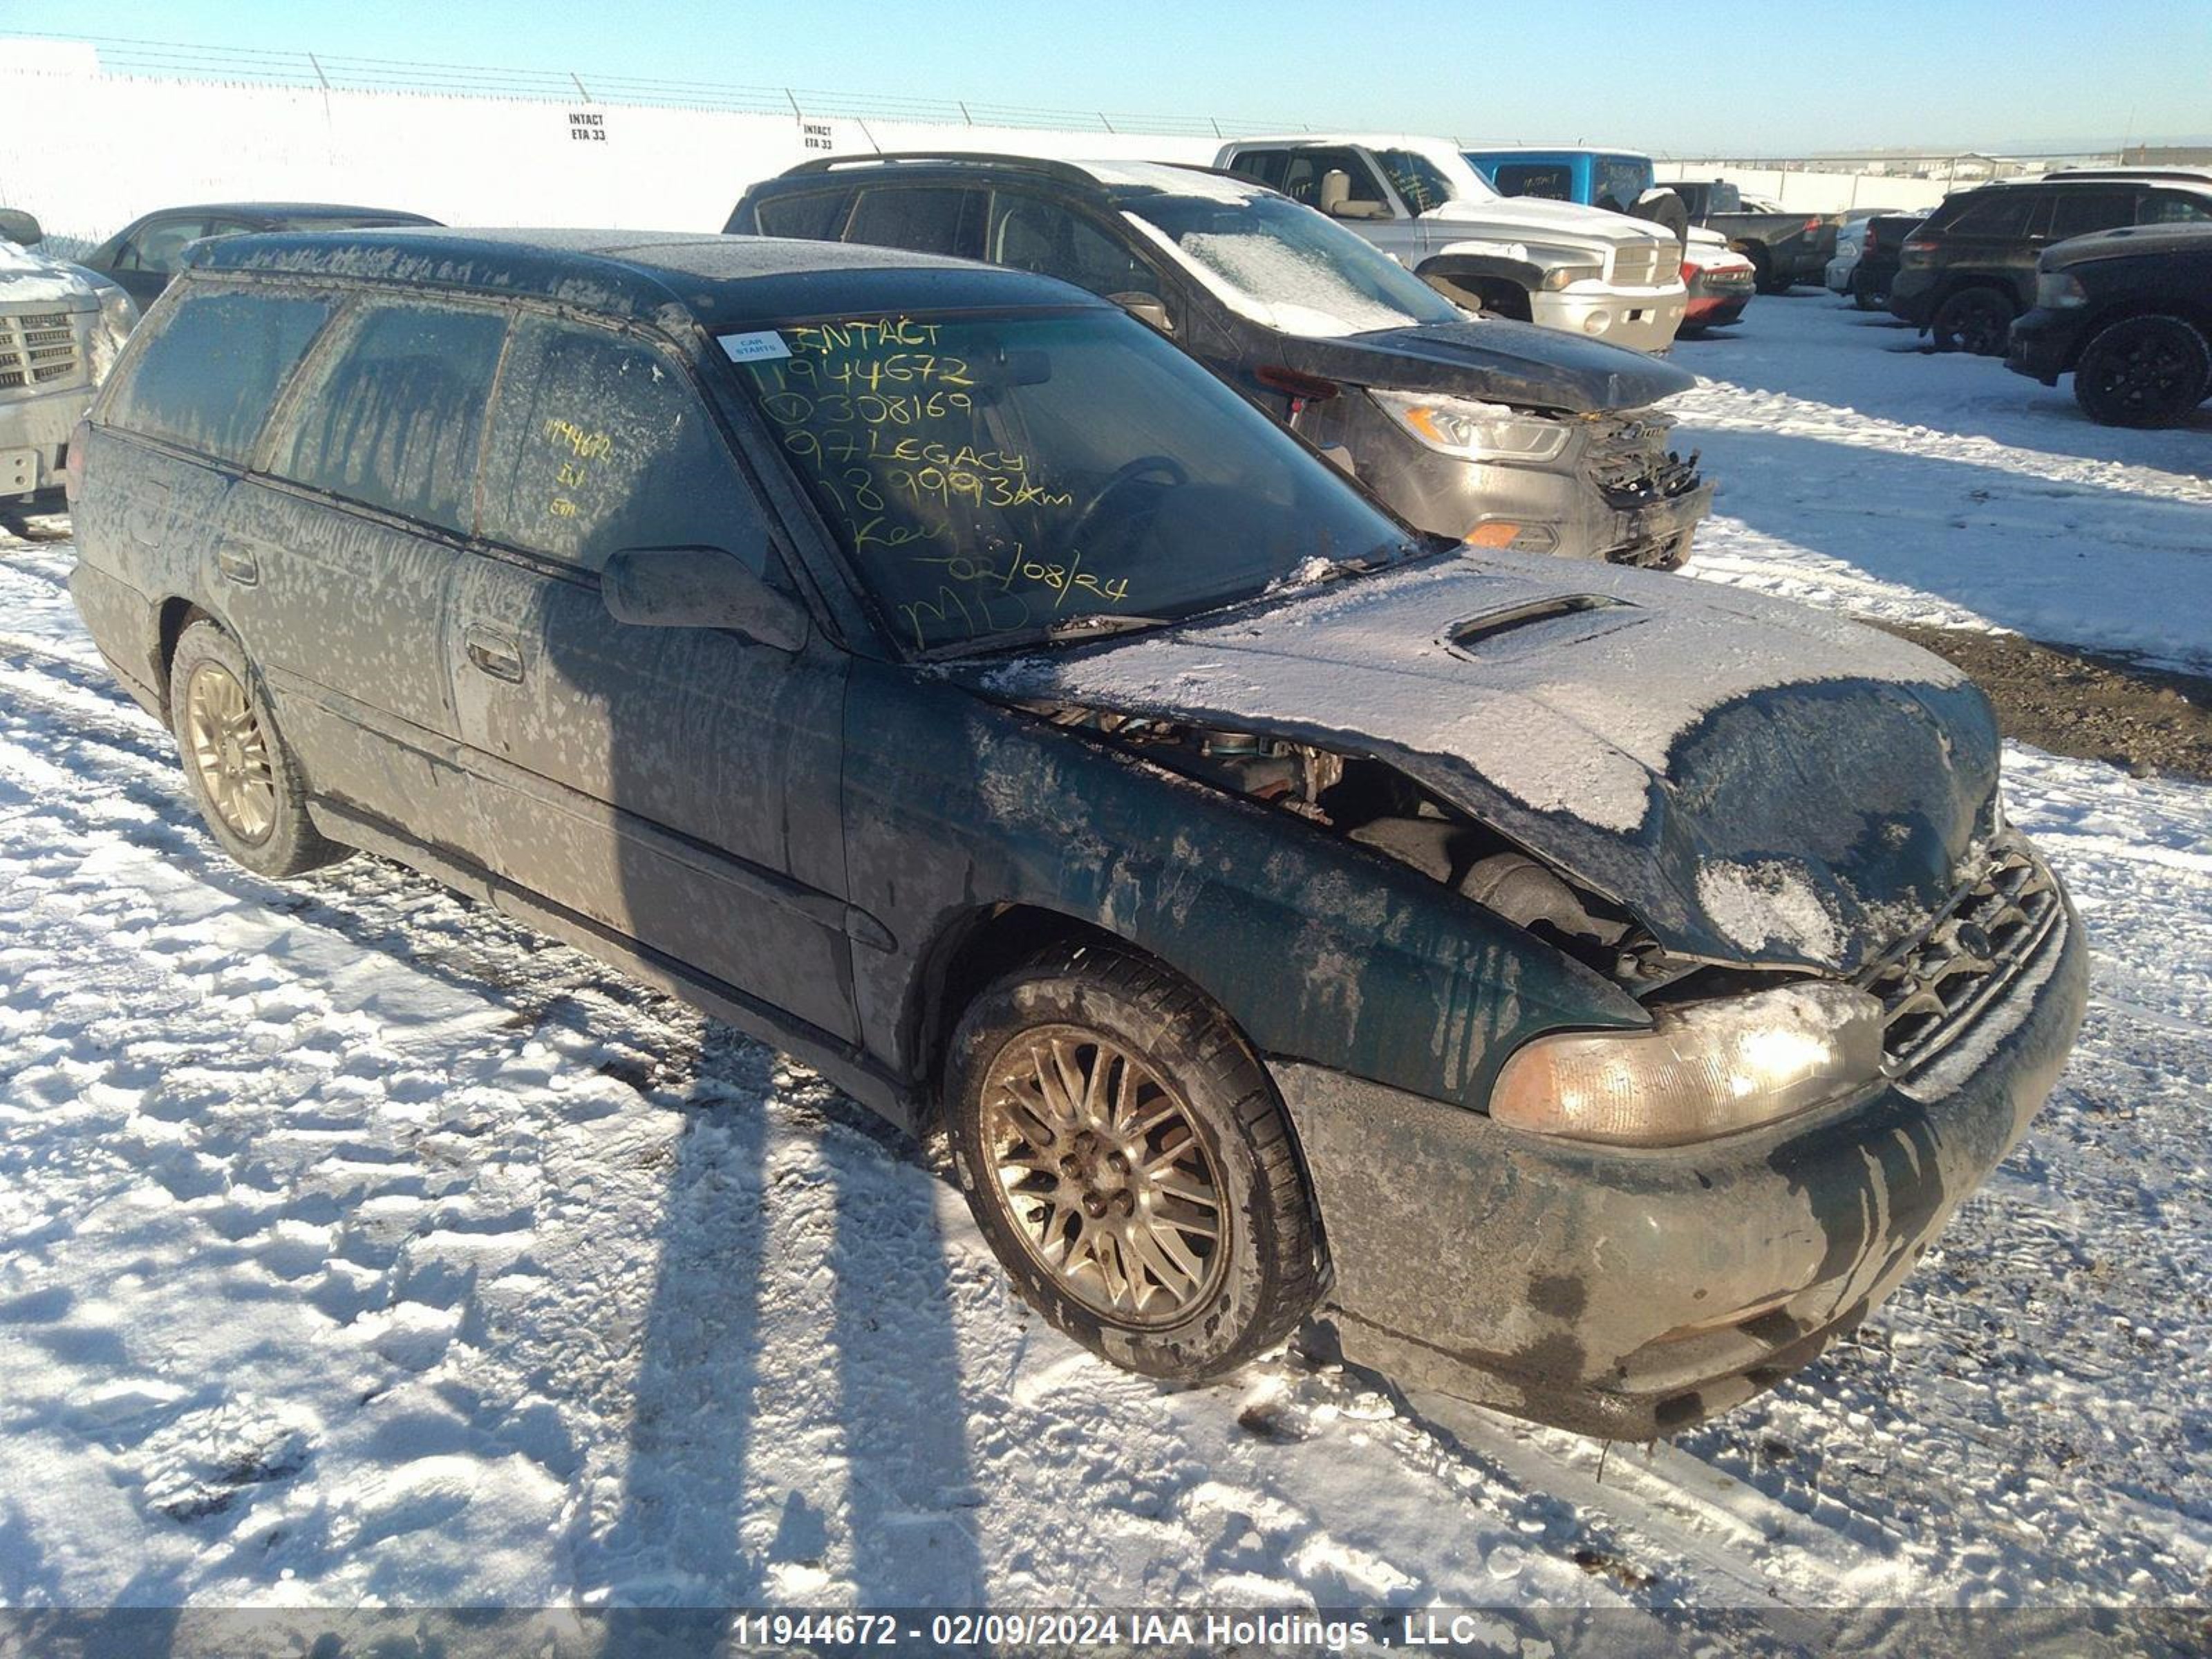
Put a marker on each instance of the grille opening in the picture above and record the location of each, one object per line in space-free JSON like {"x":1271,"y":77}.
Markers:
{"x":1933,"y":986}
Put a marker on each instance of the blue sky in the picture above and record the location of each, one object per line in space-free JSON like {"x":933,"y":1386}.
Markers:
{"x":1776,"y":76}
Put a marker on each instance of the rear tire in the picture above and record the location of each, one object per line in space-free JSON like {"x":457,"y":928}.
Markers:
{"x":242,"y":775}
{"x":1124,"y":1153}
{"x":2143,"y":371}
{"x":1974,"y":319}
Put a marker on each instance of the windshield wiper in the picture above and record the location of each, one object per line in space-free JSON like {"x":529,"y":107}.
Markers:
{"x":1096,"y":624}
{"x":1381,"y":559}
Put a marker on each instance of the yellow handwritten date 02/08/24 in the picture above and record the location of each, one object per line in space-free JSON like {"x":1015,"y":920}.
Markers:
{"x":982,"y":593}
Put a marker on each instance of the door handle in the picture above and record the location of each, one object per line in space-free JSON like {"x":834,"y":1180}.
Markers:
{"x":240,"y":567}
{"x":494,"y":654}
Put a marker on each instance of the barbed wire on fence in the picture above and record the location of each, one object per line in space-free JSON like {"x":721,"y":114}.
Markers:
{"x":130,"y":56}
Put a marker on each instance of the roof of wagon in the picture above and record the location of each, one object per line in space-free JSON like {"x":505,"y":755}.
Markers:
{"x":722,"y":280}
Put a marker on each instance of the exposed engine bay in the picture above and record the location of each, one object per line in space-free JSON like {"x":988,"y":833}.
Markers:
{"x":1368,"y":802}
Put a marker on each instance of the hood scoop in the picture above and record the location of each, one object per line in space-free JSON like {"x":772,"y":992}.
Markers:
{"x":1545,"y":621}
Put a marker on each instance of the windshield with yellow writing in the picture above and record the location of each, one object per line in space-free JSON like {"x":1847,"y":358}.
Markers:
{"x":995,"y":476}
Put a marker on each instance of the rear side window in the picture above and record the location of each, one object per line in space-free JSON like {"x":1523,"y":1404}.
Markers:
{"x":602,"y":442}
{"x":394,"y":415}
{"x":208,"y":378}
{"x":1546,"y":181}
{"x":922,"y":219}
{"x":2078,"y":212}
{"x":815,"y":216}
{"x":1267,"y":166}
{"x":1622,"y":180}
{"x":2001,"y":213}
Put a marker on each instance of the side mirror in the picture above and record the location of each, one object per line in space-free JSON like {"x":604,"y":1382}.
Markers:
{"x":1145,"y":308}
{"x":700,"y":587}
{"x":19,"y":227}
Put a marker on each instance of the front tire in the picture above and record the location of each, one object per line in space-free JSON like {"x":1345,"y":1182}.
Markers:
{"x":2143,"y":371}
{"x":1125,"y":1155}
{"x":1974,"y":319}
{"x":243,"y":776}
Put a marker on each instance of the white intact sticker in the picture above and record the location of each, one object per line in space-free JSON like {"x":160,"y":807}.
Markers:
{"x":755,"y":348}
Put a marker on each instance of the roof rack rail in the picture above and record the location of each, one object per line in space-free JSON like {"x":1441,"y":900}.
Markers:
{"x":1066,"y":172}
{"x":2175,"y":175}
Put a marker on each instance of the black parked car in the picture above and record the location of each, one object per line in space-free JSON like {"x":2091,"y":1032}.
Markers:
{"x":1591,"y":990}
{"x":1880,"y":249}
{"x":2128,"y":314}
{"x":1499,"y":432}
{"x":1970,"y":269}
{"x":144,"y":254}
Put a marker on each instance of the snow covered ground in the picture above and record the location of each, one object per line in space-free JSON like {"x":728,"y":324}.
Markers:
{"x":1861,"y":472}
{"x":357,"y":1247}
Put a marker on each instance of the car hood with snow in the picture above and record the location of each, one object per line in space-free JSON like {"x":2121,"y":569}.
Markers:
{"x":1512,"y":362}
{"x":1624,"y":725}
{"x":1541,"y":221}
{"x":29,"y":278}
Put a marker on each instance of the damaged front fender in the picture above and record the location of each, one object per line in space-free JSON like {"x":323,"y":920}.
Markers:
{"x":1318,"y":947}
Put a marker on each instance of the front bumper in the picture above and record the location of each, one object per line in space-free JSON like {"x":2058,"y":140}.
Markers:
{"x":1912,"y":295}
{"x":1838,"y":277}
{"x":2042,"y":343}
{"x":34,"y":433}
{"x":1645,"y":319}
{"x":1718,"y":298}
{"x":1632,"y":1294}
{"x":1558,"y":507}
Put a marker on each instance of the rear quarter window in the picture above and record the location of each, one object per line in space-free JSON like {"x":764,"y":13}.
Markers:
{"x":2003,"y":213}
{"x":396,"y":412}
{"x":208,"y":378}
{"x":946,"y":219}
{"x":814,"y":216}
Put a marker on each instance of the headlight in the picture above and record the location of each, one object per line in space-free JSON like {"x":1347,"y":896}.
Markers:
{"x":2060,"y":290}
{"x":1704,"y":1069}
{"x":1576,"y":270}
{"x":1486,"y":432}
{"x":118,"y":315}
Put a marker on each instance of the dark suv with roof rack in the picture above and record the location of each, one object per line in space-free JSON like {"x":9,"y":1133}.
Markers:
{"x":143,"y":255}
{"x":1499,"y":432}
{"x":1970,"y":269}
{"x":1590,"y":990}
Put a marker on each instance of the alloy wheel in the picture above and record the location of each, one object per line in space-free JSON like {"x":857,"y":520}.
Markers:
{"x":2148,"y":375}
{"x":1110,"y":1186}
{"x":230,"y":752}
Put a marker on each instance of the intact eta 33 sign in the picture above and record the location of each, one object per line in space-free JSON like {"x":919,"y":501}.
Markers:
{"x":587,"y":126}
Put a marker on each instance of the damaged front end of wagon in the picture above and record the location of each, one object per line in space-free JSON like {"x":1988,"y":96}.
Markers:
{"x":1825,"y":986}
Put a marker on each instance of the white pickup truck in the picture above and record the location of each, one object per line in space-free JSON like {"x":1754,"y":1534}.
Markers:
{"x":1579,"y":268}
{"x":61,"y":328}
